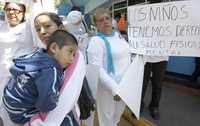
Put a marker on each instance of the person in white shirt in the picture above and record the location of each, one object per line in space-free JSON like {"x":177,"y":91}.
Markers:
{"x":110,"y":51}
{"x":15,"y":40}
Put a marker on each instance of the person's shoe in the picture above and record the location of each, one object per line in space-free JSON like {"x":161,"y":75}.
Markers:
{"x":154,"y":113}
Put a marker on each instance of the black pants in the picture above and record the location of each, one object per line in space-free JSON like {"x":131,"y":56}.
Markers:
{"x":157,"y":70}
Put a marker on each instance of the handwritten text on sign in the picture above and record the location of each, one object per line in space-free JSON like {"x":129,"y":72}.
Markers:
{"x":171,"y":28}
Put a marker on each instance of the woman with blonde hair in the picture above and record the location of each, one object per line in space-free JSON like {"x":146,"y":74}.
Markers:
{"x":108,"y":50}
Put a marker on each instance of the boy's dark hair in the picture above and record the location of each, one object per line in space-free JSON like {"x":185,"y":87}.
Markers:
{"x":61,"y":38}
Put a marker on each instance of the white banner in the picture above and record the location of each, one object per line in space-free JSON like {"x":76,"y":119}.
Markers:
{"x":130,"y":87}
{"x":165,"y":29}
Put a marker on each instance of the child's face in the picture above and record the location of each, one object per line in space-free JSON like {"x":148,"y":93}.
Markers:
{"x":65,"y":55}
{"x":45,"y":27}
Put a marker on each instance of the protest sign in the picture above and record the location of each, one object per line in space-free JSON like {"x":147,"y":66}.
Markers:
{"x":165,"y":29}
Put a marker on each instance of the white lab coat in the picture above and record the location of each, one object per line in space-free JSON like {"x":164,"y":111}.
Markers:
{"x":109,"y":111}
{"x":14,"y":42}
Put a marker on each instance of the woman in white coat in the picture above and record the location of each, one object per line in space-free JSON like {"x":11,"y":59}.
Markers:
{"x":15,"y":40}
{"x":110,"y":51}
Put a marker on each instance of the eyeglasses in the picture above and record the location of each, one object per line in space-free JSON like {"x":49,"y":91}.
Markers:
{"x":16,"y":11}
{"x":106,"y":18}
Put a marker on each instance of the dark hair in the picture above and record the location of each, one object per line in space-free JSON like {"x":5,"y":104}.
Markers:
{"x":53,"y":16}
{"x":23,"y":7}
{"x":61,"y":38}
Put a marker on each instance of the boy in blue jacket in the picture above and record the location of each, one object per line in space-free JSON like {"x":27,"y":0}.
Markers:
{"x":37,"y":79}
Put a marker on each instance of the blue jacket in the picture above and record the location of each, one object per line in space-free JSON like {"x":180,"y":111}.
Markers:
{"x":34,"y":86}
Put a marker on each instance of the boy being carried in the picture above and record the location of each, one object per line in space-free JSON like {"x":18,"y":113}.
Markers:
{"x":37,"y":79}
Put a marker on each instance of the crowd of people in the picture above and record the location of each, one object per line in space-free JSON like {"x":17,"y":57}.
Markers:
{"x":35,"y":80}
